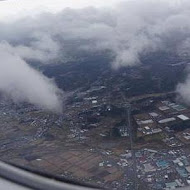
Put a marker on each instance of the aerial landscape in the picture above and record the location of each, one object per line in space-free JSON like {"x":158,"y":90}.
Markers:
{"x":99,"y":95}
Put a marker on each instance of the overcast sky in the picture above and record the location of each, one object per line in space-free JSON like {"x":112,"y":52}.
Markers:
{"x":16,"y":8}
{"x":129,"y":30}
{"x":13,"y":9}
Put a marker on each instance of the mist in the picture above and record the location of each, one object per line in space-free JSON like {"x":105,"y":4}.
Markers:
{"x":130,"y":30}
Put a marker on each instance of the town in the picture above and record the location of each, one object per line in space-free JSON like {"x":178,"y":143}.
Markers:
{"x":117,"y":131}
{"x":91,"y":139}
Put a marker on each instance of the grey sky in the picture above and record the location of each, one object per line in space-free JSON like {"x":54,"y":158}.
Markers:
{"x":128,"y":30}
{"x":17,"y":8}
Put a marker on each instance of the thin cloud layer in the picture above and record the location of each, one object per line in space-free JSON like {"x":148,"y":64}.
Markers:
{"x":129,"y":31}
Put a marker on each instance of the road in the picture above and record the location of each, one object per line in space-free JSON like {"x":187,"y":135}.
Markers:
{"x":131,"y":173}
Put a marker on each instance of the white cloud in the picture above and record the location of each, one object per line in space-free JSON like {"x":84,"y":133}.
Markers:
{"x":22,"y":83}
{"x":129,"y":30}
{"x":11,"y":9}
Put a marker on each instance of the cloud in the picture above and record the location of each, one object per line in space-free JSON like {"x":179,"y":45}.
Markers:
{"x":129,"y":31}
{"x":22,"y":83}
{"x":183,"y":90}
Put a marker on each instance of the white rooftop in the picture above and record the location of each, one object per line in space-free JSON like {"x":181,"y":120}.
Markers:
{"x":167,"y":120}
{"x":94,"y":101}
{"x":145,"y":121}
{"x":183,"y":117}
{"x":153,"y":114}
{"x":163,"y":108}
{"x":147,"y":128}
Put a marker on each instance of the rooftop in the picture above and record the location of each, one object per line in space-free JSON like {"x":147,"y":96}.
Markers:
{"x":183,"y":117}
{"x":167,"y":120}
